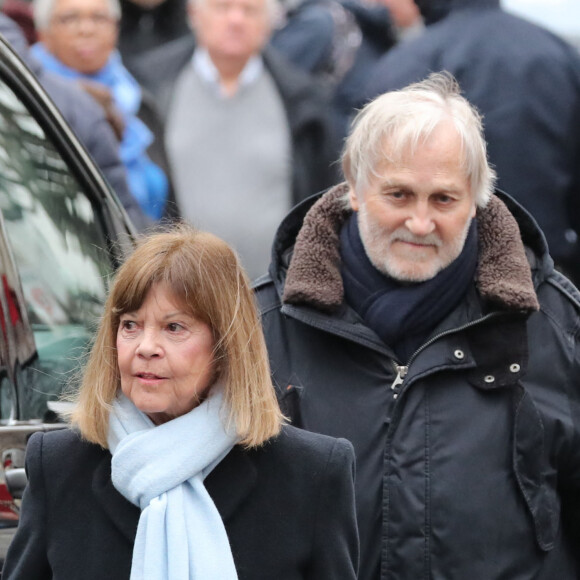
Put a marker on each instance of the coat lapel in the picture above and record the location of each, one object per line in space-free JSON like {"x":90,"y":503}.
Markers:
{"x":228,"y":485}
{"x":232,"y":481}
{"x":120,"y":511}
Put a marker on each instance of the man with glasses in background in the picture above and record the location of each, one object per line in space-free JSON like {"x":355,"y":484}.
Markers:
{"x":78,"y":41}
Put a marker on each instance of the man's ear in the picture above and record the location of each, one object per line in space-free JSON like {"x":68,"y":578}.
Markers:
{"x":353,"y":199}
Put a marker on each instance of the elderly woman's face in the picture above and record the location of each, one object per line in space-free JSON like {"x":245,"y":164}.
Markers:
{"x":165,"y":357}
{"x":81,"y":34}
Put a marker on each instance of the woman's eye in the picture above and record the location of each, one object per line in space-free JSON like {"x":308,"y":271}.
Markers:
{"x":174,"y":327}
{"x":128,"y":325}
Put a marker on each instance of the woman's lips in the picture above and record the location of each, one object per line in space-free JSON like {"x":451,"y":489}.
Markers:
{"x":149,"y":377}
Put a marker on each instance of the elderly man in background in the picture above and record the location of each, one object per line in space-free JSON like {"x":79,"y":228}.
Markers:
{"x":77,"y":41}
{"x":85,"y":117}
{"x":247,"y":134}
{"x":417,"y":313}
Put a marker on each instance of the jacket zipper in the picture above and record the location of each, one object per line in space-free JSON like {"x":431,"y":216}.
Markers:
{"x":402,"y":370}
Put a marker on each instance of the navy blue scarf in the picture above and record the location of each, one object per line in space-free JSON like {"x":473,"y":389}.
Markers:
{"x":402,"y":314}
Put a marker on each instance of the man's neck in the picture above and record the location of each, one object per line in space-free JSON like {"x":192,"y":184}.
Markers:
{"x":229,"y":73}
{"x":227,"y":76}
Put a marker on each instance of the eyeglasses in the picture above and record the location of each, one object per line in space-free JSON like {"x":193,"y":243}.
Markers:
{"x":74,"y":20}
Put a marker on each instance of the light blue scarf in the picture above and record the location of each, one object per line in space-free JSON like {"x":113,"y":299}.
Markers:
{"x":161,"y":469}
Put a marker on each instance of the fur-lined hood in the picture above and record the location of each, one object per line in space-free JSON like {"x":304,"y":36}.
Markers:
{"x":504,"y":277}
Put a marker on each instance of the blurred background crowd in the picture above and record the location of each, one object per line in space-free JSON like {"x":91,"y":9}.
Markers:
{"x":226,"y":113}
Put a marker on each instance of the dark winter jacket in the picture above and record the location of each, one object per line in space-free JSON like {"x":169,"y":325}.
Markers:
{"x":526,"y":82}
{"x":287,"y":509}
{"x":468,"y":453}
{"x":143,"y":29}
{"x":338,"y":42}
{"x":306,"y":103}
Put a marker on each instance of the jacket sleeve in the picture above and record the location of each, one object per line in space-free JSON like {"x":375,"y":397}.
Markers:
{"x":87,"y":119}
{"x":27,"y":555}
{"x":335,"y":553}
{"x":569,"y":477}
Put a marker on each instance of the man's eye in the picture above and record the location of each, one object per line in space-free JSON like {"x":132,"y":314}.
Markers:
{"x":397,"y":194}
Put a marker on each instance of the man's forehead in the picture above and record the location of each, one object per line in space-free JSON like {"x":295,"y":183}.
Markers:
{"x":254,"y":4}
{"x":85,"y":5}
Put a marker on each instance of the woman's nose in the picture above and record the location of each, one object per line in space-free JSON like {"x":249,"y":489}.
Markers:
{"x":148,"y":345}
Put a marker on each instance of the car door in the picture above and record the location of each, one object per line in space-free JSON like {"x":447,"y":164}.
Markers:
{"x":62,"y":234}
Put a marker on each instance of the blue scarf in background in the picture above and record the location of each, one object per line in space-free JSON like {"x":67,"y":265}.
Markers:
{"x":403,"y":314}
{"x":147,"y":182}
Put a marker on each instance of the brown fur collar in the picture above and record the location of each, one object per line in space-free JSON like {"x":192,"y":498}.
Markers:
{"x":314,"y":278}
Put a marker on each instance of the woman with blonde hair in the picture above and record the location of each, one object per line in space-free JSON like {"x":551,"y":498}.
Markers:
{"x":177,"y":465}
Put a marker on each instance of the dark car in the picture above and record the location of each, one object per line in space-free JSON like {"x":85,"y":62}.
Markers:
{"x":62,"y":234}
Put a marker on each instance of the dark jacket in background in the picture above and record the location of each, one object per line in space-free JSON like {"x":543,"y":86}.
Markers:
{"x":338,"y":42}
{"x":86,"y":119}
{"x":143,"y":29}
{"x":469,"y":468}
{"x":287,"y":509}
{"x":306,"y":103}
{"x":526,"y":83}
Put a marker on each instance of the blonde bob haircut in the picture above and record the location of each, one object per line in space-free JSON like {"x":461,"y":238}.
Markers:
{"x":206,"y":278}
{"x":396,"y":122}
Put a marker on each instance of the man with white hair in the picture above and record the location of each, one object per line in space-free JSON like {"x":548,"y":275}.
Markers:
{"x":415,"y":311}
{"x":247,"y":134}
{"x":525,"y":80}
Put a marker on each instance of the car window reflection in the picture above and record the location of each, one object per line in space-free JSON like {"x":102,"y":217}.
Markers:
{"x":60,"y":250}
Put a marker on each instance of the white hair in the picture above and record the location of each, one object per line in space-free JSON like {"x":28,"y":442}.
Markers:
{"x":42,"y":11}
{"x":273,"y":7}
{"x":398,"y":121}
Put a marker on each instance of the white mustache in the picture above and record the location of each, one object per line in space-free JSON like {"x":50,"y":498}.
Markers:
{"x":403,"y":235}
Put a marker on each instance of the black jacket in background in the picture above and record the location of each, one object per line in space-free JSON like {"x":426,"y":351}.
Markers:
{"x":142,"y":30}
{"x":526,"y":83}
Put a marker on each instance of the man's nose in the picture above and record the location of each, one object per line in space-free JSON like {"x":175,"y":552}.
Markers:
{"x":237,"y":15}
{"x":420,"y":222}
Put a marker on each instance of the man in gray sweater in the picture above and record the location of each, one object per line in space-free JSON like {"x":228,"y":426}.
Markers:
{"x":247,"y":134}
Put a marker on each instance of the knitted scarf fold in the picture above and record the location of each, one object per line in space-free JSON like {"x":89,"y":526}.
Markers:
{"x":402,"y":314}
{"x":161,"y":469}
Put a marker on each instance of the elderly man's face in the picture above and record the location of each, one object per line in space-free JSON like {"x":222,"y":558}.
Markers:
{"x":414,"y":217}
{"x":81,"y":34}
{"x":231,"y":30}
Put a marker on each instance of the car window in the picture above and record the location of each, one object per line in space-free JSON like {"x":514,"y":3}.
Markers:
{"x":61,"y":255}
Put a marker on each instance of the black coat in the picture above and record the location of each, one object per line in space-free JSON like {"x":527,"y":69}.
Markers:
{"x":288,"y":510}
{"x":526,"y":83}
{"x":468,"y":467}
{"x":307,"y":105}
